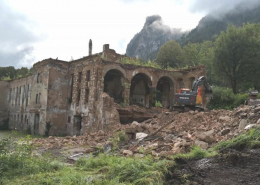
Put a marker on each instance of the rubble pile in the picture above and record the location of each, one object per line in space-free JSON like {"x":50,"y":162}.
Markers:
{"x":171,"y":132}
{"x":166,"y":133}
{"x":92,"y":139}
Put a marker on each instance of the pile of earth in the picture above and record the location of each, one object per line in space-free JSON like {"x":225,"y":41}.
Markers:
{"x":167,"y":133}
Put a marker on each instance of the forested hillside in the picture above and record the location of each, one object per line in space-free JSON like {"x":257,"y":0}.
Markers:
{"x":212,"y":24}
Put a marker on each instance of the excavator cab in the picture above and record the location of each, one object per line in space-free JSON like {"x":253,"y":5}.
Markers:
{"x":184,"y":90}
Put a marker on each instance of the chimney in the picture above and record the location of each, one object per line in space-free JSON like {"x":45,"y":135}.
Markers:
{"x":105,"y":47}
{"x":90,"y":47}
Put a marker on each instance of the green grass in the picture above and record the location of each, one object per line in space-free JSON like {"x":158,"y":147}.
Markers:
{"x":196,"y":153}
{"x":16,"y":159}
{"x":18,"y":166}
{"x":125,"y":169}
{"x":16,"y":134}
{"x":250,"y":139}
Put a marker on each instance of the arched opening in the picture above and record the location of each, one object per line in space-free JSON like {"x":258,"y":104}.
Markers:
{"x":140,"y":90}
{"x":191,"y":80}
{"x":164,"y":91}
{"x":114,"y":85}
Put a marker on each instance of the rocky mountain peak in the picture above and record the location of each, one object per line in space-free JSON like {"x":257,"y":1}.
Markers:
{"x":145,"y":44}
{"x":151,"y":19}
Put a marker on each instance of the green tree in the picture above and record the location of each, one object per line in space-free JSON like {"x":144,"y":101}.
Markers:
{"x":170,"y":55}
{"x":7,"y":72}
{"x":22,"y":72}
{"x":10,"y":73}
{"x":236,"y":53}
{"x":252,"y":56}
{"x":205,"y":58}
{"x":191,"y":54}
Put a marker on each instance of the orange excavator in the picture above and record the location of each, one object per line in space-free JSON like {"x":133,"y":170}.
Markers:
{"x":187,"y":99}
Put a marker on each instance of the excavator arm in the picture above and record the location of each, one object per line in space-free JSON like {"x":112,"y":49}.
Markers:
{"x":192,"y":99}
{"x":202,"y":81}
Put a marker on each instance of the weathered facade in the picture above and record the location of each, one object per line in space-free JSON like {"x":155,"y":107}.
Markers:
{"x":72,"y":98}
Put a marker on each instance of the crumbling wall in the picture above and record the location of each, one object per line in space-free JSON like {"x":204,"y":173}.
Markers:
{"x":19,"y":103}
{"x":84,"y":92}
{"x":39,"y":97}
{"x":57,"y":99}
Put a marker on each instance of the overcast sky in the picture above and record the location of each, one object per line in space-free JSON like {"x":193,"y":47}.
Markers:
{"x":33,"y":30}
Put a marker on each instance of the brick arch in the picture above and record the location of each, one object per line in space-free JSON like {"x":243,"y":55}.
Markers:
{"x":146,"y":72}
{"x":141,"y":90}
{"x":165,"y":91}
{"x":165,"y":75}
{"x":108,"y":68}
{"x":114,"y":85}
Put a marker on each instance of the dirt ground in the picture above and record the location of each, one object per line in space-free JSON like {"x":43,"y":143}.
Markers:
{"x":232,"y":167}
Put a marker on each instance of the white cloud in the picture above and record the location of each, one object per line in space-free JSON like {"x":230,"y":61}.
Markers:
{"x":68,"y":25}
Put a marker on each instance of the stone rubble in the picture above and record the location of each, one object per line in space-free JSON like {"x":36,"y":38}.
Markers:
{"x":166,"y":133}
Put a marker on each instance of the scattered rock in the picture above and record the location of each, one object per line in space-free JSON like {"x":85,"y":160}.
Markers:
{"x":243,"y":115}
{"x":242,"y":124}
{"x":169,"y":137}
{"x":127,"y":152}
{"x":257,"y":109}
{"x":225,"y":118}
{"x":206,"y":136}
{"x":140,"y":135}
{"x":137,"y":155}
{"x":250,"y":126}
{"x":101,"y":133}
{"x":225,"y":131}
{"x":135,"y":123}
{"x":151,"y":146}
{"x":130,"y":130}
{"x":201,"y":144}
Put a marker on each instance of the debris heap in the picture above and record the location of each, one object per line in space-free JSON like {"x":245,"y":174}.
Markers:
{"x":167,"y":133}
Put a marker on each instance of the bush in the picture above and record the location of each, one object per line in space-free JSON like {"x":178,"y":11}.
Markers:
{"x":158,"y":104}
{"x":137,"y":62}
{"x":117,"y":139}
{"x":224,"y":98}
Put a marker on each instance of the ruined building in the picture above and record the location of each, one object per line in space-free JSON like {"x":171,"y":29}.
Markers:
{"x":71,"y":98}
